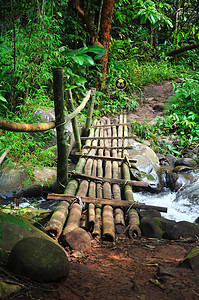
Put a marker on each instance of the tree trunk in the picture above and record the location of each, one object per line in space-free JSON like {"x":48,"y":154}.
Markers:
{"x":105,"y":31}
{"x":183,"y":49}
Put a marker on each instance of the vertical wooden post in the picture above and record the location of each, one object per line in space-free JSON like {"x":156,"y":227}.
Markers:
{"x":74,"y":120}
{"x":62,"y":146}
{"x":90,"y":111}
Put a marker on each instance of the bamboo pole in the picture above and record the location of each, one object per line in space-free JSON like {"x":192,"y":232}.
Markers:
{"x":119,"y":215}
{"x":71,"y":108}
{"x":23,"y":127}
{"x":55,"y":225}
{"x":90,"y":111}
{"x":62,"y":146}
{"x":133,"y":217}
{"x":98,"y":209}
{"x":107,"y":215}
{"x":76,"y":210}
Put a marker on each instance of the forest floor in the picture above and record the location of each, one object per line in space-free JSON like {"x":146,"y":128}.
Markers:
{"x":128,"y":269}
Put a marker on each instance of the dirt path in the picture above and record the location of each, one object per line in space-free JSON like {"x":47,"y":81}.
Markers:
{"x":128,"y":269}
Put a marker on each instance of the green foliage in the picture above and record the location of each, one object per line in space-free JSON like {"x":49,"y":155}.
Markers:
{"x":181,"y":120}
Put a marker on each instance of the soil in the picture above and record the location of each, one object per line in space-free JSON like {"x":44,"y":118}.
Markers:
{"x":127,"y":269}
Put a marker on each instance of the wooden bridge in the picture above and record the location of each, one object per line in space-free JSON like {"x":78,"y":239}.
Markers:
{"x":99,"y":195}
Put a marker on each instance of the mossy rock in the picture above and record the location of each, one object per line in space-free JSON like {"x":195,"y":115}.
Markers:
{"x":182,"y":229}
{"x":39,"y":259}
{"x":189,"y":162}
{"x":14,"y":229}
{"x":151,"y":228}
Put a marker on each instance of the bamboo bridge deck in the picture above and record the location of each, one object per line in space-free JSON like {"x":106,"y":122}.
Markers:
{"x":99,"y":195}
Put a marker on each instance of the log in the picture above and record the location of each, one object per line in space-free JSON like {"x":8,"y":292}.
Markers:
{"x":134,"y":222}
{"x":112,"y":180}
{"x":112,"y":202}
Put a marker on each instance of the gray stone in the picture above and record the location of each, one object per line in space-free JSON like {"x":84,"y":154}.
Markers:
{"x":39,"y":259}
{"x":189,"y":162}
{"x":147,"y":166}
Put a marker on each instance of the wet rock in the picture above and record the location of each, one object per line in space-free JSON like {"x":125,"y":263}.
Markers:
{"x":179,"y":169}
{"x":182,"y":229}
{"x":191,"y":259}
{"x":171,"y":159}
{"x":189,"y":162}
{"x":78,"y":239}
{"x":39,"y":259}
{"x":176,"y":181}
{"x":147,"y":167}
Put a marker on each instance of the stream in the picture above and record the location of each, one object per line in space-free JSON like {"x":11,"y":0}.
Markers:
{"x":182,"y":205}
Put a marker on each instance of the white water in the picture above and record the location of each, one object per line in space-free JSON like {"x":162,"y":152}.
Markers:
{"x":181,"y":206}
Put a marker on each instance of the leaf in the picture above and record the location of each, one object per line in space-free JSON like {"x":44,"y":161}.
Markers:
{"x":3,"y":99}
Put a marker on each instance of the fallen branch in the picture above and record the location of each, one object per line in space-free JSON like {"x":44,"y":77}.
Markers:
{"x":23,"y":127}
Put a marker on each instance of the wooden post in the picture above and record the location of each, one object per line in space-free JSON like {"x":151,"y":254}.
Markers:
{"x":90,"y":111}
{"x":74,"y":120}
{"x":62,"y":146}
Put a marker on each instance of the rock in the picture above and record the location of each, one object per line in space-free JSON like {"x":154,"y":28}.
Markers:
{"x":150,"y":228}
{"x":6,"y":289}
{"x":191,"y":260}
{"x":197,"y":220}
{"x":179,"y":169}
{"x":189,"y":162}
{"x":78,"y":239}
{"x":147,"y":166}
{"x":38,"y":259}
{"x":159,"y":107}
{"x":156,"y":227}
{"x":176,"y":181}
{"x":182,"y":229}
{"x":14,"y":229}
{"x":171,"y":159}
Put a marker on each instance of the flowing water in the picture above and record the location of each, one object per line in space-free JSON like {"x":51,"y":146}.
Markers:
{"x":182,"y":205}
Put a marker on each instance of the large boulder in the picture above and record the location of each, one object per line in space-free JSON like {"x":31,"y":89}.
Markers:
{"x":14,"y":229}
{"x":147,"y":167}
{"x":182,"y":229}
{"x":39,"y":259}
